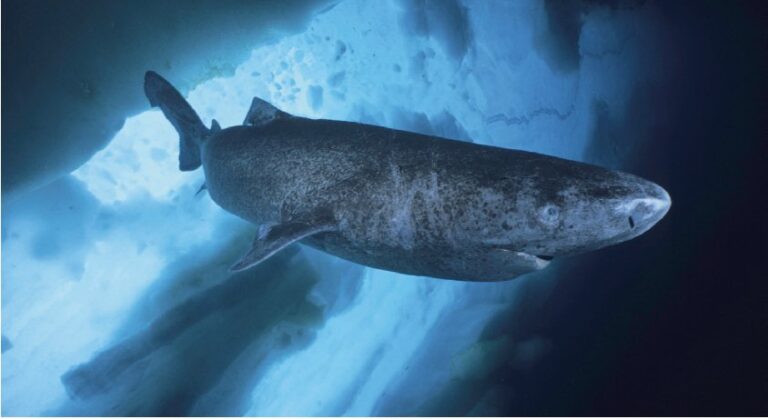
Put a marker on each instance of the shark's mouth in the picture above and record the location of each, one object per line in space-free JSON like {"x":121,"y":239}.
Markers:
{"x":535,"y":262}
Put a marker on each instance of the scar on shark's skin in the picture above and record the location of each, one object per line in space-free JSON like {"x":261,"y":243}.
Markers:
{"x":402,"y":201}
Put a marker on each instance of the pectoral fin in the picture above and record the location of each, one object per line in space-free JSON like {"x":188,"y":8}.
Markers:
{"x":272,"y":239}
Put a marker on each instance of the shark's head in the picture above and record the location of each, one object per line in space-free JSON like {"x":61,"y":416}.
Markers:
{"x":595,"y":210}
{"x":568,"y":208}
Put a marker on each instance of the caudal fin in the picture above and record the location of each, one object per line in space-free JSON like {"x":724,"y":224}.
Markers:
{"x":191,"y":130}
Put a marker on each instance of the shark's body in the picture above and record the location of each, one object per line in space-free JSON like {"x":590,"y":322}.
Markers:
{"x":402,"y":201}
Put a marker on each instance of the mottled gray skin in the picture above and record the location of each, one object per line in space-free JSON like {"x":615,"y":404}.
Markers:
{"x":418,"y":204}
{"x":422,"y":205}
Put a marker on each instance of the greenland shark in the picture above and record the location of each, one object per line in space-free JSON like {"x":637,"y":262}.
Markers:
{"x":401,"y":201}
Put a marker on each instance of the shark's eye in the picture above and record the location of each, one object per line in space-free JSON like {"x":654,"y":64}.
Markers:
{"x":549,"y":214}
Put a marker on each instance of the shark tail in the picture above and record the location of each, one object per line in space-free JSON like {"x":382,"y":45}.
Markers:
{"x":191,"y":130}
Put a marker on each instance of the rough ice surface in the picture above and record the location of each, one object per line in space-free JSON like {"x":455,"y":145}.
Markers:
{"x":116,"y":296}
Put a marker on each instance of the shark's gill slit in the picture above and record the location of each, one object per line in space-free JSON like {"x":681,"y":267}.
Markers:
{"x":631,"y":222}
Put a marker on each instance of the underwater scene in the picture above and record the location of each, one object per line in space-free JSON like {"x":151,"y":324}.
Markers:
{"x":312,"y":208}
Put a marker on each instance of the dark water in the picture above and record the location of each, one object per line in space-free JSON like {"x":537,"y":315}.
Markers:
{"x":685,"y":322}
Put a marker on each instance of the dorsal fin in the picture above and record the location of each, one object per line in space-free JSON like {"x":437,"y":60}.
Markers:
{"x":215,"y":127}
{"x":262,"y":112}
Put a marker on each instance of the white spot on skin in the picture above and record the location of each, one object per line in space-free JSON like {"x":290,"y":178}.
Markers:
{"x":402,"y":224}
{"x":654,"y":206}
{"x":491,"y":196}
{"x":434,"y":193}
{"x":401,"y":221}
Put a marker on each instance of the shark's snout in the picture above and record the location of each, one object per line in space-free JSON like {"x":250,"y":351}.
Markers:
{"x":643,"y":212}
